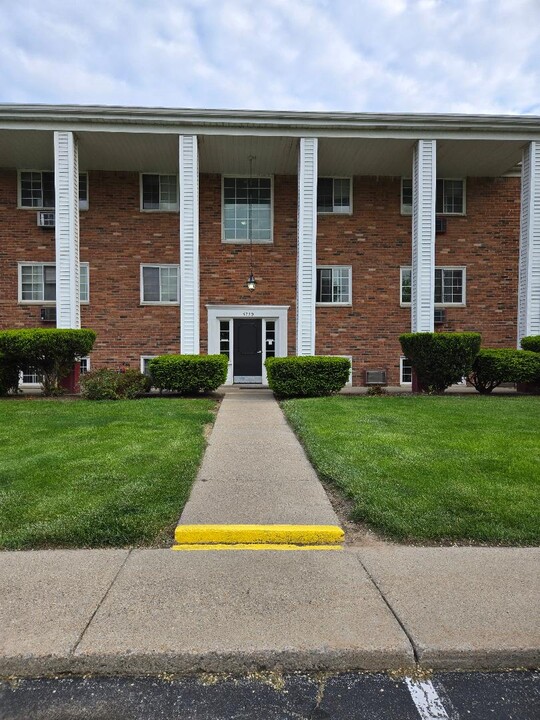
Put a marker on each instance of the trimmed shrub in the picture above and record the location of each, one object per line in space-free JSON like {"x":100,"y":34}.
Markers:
{"x":109,"y":384}
{"x":52,"y":352}
{"x":440,"y":359}
{"x":307,"y":376}
{"x":493,"y":367}
{"x":531,"y":342}
{"x":188,"y":374}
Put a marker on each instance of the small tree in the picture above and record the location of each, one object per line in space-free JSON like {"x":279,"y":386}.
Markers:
{"x":52,"y":352}
{"x":440,"y":359}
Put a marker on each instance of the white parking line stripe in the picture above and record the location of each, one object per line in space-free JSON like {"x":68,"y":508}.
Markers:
{"x":427,"y":701}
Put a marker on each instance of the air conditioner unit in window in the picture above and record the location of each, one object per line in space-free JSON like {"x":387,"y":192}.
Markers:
{"x":439,"y":316}
{"x":48,"y":314}
{"x":375,"y":377}
{"x":440,"y":225}
{"x":45,"y":218}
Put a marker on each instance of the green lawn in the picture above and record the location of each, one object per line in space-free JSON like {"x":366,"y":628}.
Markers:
{"x":90,"y":474}
{"x":431,"y":468}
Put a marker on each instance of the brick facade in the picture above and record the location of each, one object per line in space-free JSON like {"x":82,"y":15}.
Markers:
{"x":116,"y":238}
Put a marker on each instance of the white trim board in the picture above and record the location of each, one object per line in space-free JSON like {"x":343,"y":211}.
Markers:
{"x":217,"y":313}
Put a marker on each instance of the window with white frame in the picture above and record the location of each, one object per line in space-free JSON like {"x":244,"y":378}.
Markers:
{"x":449,"y":286}
{"x":333,"y":285}
{"x":160,"y":284}
{"x":36,"y":189}
{"x":37,"y":282}
{"x":247,"y":209}
{"x":450,"y":196}
{"x":159,"y":192}
{"x":405,"y":371}
{"x":334,"y":195}
{"x":145,"y":359}
{"x":85,"y":365}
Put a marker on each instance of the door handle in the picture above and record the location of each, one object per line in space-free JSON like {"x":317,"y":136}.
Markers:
{"x":259,"y":352}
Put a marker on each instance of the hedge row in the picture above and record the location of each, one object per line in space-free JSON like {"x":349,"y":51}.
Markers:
{"x":52,"y":353}
{"x":493,"y":367}
{"x":531,"y":342}
{"x":307,"y":376}
{"x":188,"y":374}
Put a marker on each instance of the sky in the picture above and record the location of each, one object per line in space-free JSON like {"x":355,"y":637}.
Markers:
{"x":443,"y":56}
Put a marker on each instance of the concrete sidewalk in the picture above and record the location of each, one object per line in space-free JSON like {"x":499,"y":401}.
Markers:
{"x":151,"y":611}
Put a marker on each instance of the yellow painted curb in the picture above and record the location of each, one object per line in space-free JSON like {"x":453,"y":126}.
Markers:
{"x":263,"y":546}
{"x":258,"y":535}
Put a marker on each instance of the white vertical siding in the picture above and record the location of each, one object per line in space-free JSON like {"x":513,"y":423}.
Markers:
{"x":423,"y":236}
{"x":307,"y":247}
{"x":529,"y":244}
{"x":66,"y":182}
{"x":189,"y":244}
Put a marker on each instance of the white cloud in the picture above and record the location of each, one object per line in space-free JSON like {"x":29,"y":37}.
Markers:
{"x":372,"y":55}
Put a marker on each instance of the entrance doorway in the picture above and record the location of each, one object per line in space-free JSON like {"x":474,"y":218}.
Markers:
{"x":247,"y":351}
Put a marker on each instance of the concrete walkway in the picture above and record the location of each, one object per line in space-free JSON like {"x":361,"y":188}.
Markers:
{"x":254,"y":470}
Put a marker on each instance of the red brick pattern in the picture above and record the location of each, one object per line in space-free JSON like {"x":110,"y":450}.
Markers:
{"x":116,"y":237}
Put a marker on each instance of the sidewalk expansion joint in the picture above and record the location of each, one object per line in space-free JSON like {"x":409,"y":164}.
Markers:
{"x":100,"y":603}
{"x":394,"y":613}
{"x":294,"y":536}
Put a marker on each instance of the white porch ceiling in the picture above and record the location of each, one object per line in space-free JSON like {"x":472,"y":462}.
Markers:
{"x":143,"y":152}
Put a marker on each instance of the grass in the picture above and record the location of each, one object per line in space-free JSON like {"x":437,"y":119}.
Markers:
{"x":97,"y":474}
{"x":423,"y":468}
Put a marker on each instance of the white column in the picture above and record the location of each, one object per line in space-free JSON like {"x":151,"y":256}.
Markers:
{"x":529,"y":244}
{"x":423,"y":236}
{"x":189,"y":245}
{"x":307,"y":247}
{"x":66,"y":187}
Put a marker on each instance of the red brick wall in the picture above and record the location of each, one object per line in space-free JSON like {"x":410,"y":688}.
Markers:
{"x":116,"y":237}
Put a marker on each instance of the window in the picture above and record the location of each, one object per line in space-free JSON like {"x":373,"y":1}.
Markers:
{"x":159,"y":192}
{"x":160,"y":284}
{"x":247,"y":209}
{"x":270,"y":338}
{"x":450,"y":196}
{"x":225,"y":337}
{"x":85,"y":365}
{"x":37,"y":282}
{"x":449,"y":286}
{"x":334,"y":285}
{"x":145,"y":359}
{"x":405,"y":372}
{"x":37,"y":189}
{"x":333,"y":195}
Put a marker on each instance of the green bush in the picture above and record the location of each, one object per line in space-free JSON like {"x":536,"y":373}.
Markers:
{"x":307,"y":376}
{"x":531,"y":342}
{"x":440,"y":359}
{"x":493,"y":367}
{"x":52,"y":353}
{"x":109,"y":384}
{"x":188,"y":374}
{"x":9,"y":375}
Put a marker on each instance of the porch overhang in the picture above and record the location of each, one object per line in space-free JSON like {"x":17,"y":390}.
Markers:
{"x":146,"y":139}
